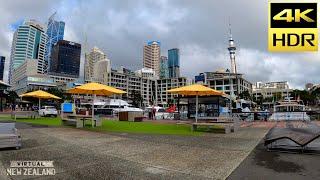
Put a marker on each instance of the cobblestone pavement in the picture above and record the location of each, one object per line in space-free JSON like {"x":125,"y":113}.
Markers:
{"x":80,"y":154}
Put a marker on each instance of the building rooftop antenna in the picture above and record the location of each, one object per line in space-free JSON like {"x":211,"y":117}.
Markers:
{"x":230,"y":32}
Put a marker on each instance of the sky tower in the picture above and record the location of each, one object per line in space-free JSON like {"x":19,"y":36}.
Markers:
{"x":232,"y":51}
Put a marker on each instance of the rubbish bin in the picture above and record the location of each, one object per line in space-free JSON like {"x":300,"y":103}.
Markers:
{"x":176,"y":116}
{"x":123,"y":116}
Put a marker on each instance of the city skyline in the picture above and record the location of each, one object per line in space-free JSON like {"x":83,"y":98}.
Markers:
{"x":204,"y":40}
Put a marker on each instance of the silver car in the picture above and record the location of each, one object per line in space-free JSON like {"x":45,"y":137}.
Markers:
{"x":48,"y":111}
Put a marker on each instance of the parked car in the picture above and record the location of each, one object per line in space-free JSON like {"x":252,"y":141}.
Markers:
{"x":161,"y":112}
{"x":48,"y":111}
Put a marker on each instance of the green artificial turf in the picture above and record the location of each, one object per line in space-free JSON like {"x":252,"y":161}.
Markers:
{"x":49,"y":121}
{"x":145,"y":128}
{"x":118,"y":126}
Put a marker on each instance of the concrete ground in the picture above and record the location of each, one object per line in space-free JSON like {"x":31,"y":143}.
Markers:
{"x":261,"y":164}
{"x":80,"y":154}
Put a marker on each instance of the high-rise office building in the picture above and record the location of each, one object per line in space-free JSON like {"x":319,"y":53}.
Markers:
{"x":91,"y":59}
{"x":2,"y":62}
{"x":229,"y":83}
{"x":55,"y":32}
{"x":102,"y":71}
{"x":164,"y":71}
{"x":29,"y":41}
{"x":174,"y":63}
{"x":151,"y":56}
{"x":271,"y":89}
{"x":65,"y":59}
{"x":153,"y":91}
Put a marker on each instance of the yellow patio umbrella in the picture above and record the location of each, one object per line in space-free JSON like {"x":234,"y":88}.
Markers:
{"x":40,"y":95}
{"x":95,"y":89}
{"x":196,"y":90}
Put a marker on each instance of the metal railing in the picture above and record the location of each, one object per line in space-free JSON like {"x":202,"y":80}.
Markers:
{"x":278,"y":116}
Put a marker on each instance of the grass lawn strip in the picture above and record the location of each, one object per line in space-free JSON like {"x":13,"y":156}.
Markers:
{"x":118,"y":126}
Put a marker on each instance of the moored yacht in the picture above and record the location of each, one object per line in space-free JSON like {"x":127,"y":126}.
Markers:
{"x":289,"y":110}
{"x":111,"y":106}
{"x":118,"y":105}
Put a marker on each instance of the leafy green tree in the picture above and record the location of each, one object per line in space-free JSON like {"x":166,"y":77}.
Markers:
{"x":60,"y":93}
{"x":277,"y":96}
{"x":316,"y":94}
{"x":307,"y":97}
{"x":137,"y":99}
{"x":12,"y":97}
{"x":245,"y":95}
{"x":258,"y":100}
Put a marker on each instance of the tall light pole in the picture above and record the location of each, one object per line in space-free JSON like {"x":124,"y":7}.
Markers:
{"x":231,"y":91}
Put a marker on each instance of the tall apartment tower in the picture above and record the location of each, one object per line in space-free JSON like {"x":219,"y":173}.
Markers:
{"x":55,"y":32}
{"x":91,"y":59}
{"x":232,"y":51}
{"x":174,"y":63}
{"x":151,"y":56}
{"x":102,"y":71}
{"x":29,"y":42}
{"x":65,"y":59}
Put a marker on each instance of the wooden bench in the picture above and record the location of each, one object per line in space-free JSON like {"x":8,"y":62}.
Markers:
{"x":79,"y":120}
{"x":72,"y":120}
{"x":227,"y":127}
{"x":28,"y":114}
{"x":138,"y":119}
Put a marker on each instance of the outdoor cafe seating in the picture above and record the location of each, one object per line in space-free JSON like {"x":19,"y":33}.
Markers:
{"x":204,"y":105}
{"x":69,"y":116}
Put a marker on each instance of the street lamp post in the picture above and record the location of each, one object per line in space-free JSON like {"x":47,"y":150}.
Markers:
{"x":231,"y":91}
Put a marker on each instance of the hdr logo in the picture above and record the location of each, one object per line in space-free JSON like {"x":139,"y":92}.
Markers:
{"x":292,"y":27}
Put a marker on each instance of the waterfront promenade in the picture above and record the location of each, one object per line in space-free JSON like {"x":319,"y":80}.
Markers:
{"x":84,"y":154}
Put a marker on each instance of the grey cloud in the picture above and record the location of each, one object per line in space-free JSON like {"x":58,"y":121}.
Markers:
{"x":198,"y":28}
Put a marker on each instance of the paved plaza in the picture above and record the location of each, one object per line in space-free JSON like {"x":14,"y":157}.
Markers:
{"x":81,"y":154}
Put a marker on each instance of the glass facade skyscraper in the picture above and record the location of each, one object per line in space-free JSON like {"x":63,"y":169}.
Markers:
{"x":65,"y":59}
{"x":164,"y":71}
{"x":29,"y":41}
{"x":2,"y":62}
{"x":55,"y":32}
{"x":174,"y":63}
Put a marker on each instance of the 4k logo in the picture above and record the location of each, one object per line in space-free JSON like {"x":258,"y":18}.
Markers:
{"x":298,"y":15}
{"x":293,"y":27}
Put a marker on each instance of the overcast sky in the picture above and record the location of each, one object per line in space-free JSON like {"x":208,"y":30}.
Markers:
{"x":198,"y":28}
